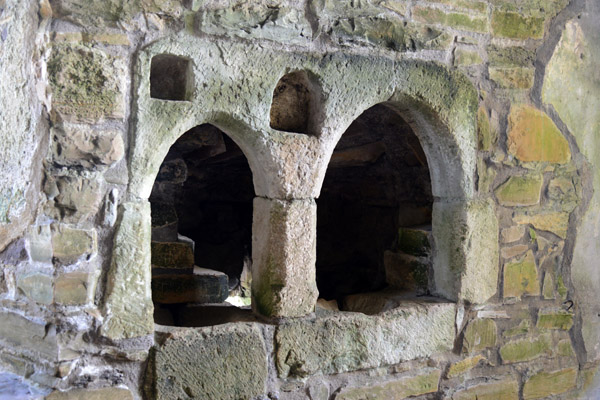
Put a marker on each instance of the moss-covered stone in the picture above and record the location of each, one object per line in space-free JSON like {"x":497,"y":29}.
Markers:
{"x":511,"y":56}
{"x":373,"y":30}
{"x":203,"y":286}
{"x":521,"y":277}
{"x":487,"y":135}
{"x":473,"y":5}
{"x":557,"y":223}
{"x":520,"y":191}
{"x":455,"y":20}
{"x":521,"y":329}
{"x":554,"y":319}
{"x":70,"y":244}
{"x":466,"y":57}
{"x":545,"y":384}
{"x":85,"y":83}
{"x":548,"y":287}
{"x":460,"y":367}
{"x":416,"y":242}
{"x":92,"y":394}
{"x":425,"y":382}
{"x":533,"y":136}
{"x":517,"y":26}
{"x":175,"y":255}
{"x":561,"y":288}
{"x":480,"y":334}
{"x":506,"y":389}
{"x":512,"y":234}
{"x":512,"y":77}
{"x":526,"y":349}
{"x":537,"y":8}
{"x":565,"y":348}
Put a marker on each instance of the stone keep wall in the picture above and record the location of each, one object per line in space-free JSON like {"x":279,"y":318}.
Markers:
{"x":503,"y":95}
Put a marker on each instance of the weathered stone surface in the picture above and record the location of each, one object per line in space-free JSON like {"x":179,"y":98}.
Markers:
{"x":512,"y":77}
{"x":466,"y":57}
{"x":555,"y":222}
{"x":544,"y":384}
{"x":112,"y":393}
{"x":404,"y":271}
{"x":425,"y":382}
{"x":513,"y":251}
{"x":520,"y":191}
{"x":507,"y":389}
{"x":565,"y":348}
{"x":460,"y":367}
{"x":128,"y":306}
{"x":175,"y":255}
{"x":415,"y":241}
{"x":548,"y":287}
{"x":487,"y":135}
{"x":466,"y":258}
{"x":571,"y":85}
{"x":36,"y":285}
{"x":164,"y":222}
{"x":24,"y":334}
{"x":480,"y":334}
{"x":40,"y":243}
{"x":86,"y":83}
{"x":533,"y":136}
{"x":283,"y":253}
{"x":89,"y":148}
{"x":517,"y":26}
{"x":75,"y":288}
{"x":70,"y":244}
{"x":350,"y":341}
{"x":203,"y":286}
{"x":521,"y":277}
{"x":526,"y":349}
{"x":511,"y":56}
{"x":231,"y":357}
{"x":455,"y":20}
{"x":554,"y":319}
{"x":79,"y":196}
{"x":521,"y":329}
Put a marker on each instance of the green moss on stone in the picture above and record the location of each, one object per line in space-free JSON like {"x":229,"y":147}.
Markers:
{"x":521,"y":277}
{"x":512,"y":77}
{"x":565,"y":348}
{"x":480,"y":334}
{"x":520,"y":191}
{"x":546,"y":384}
{"x":526,"y":349}
{"x":561,"y":288}
{"x":521,"y":329}
{"x":517,"y":26}
{"x":460,"y":367}
{"x":554,"y":319}
{"x":454,"y":20}
{"x":512,"y":56}
{"x":415,"y":242}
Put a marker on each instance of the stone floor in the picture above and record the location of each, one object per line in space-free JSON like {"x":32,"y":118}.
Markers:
{"x":12,"y":387}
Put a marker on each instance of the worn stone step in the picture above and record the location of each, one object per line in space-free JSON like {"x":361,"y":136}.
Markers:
{"x":405,"y":271}
{"x":175,"y":255}
{"x":415,"y":241}
{"x":164,"y":222}
{"x":203,"y":286}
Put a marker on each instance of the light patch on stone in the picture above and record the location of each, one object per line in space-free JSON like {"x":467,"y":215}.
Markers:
{"x":505,"y":389}
{"x":461,"y":367}
{"x":426,"y":382}
{"x":555,"y":222}
{"x":521,"y":277}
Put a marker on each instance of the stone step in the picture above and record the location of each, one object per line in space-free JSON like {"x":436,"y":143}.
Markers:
{"x":203,"y":286}
{"x":405,"y":271}
{"x":415,"y":241}
{"x":173,"y":255}
{"x":164,"y":222}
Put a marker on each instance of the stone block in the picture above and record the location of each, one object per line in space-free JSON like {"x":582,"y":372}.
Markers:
{"x":28,"y":335}
{"x":75,"y":288}
{"x":513,"y":251}
{"x":112,"y":393}
{"x":36,"y":285}
{"x":565,"y":348}
{"x":472,"y":5}
{"x":86,"y":83}
{"x":164,"y":222}
{"x":85,"y":147}
{"x":78,"y":196}
{"x":454,"y":20}
{"x":466,"y":57}
{"x":203,"y":286}
{"x":510,"y":56}
{"x":512,"y":234}
{"x":548,"y":287}
{"x":406,"y":272}
{"x":546,"y":384}
{"x":225,"y":362}
{"x":506,"y":389}
{"x":517,"y":26}
{"x":526,"y":349}
{"x":521,"y":277}
{"x":40,"y":243}
{"x":487,"y":136}
{"x":533,"y":136}
{"x":376,"y":31}
{"x":426,"y":381}
{"x":172,"y":255}
{"x":512,"y":77}
{"x":480,"y":334}
{"x":71,"y":244}
{"x":555,"y":222}
{"x":521,"y":329}
{"x":554,"y":319}
{"x":283,"y":255}
{"x":460,"y":367}
{"x":466,"y":255}
{"x":415,"y":241}
{"x":520,"y":191}
{"x":341,"y":342}
{"x":128,"y":307}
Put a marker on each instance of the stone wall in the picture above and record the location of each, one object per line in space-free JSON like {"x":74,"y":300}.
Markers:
{"x":502,"y":95}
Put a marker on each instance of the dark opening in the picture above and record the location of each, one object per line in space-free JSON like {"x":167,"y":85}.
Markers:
{"x":170,"y":78}
{"x":201,"y":228}
{"x":374,"y":211}
{"x":292,"y":106}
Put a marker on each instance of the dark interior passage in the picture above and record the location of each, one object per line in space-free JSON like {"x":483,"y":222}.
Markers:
{"x":202,"y":222}
{"x":377,"y":183}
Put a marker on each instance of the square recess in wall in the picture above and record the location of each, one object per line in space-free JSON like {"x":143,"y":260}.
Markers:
{"x":171,"y":78}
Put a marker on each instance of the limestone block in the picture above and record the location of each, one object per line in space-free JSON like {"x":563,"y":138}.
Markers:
{"x":415,"y":241}
{"x":224,"y":362}
{"x":486,"y":135}
{"x":512,"y":234}
{"x":36,"y":285}
{"x":521,"y":329}
{"x":520,"y":191}
{"x":526,"y":349}
{"x":461,"y":367}
{"x":113,"y":393}
{"x":79,"y":196}
{"x":505,"y":389}
{"x":31,"y":336}
{"x":283,"y":253}
{"x":545,"y":384}
{"x":512,"y":77}
{"x":81,"y":146}
{"x":517,"y":26}
{"x":75,"y":288}
{"x":548,"y":287}
{"x":40,"y":243}
{"x":480,"y":334}
{"x":555,"y":222}
{"x":466,"y":250}
{"x":128,"y":306}
{"x":565,"y":348}
{"x":533,"y":136}
{"x":571,"y":85}
{"x":71,"y":244}
{"x":466,"y":58}
{"x":455,"y":20}
{"x":513,"y":251}
{"x":172,"y":255}
{"x":404,"y":271}
{"x":426,"y":381}
{"x":521,"y":277}
{"x":203,"y":286}
{"x":342,"y":342}
{"x":554,"y":319}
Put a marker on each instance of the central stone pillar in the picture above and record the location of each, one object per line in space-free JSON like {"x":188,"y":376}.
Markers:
{"x":283,"y":257}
